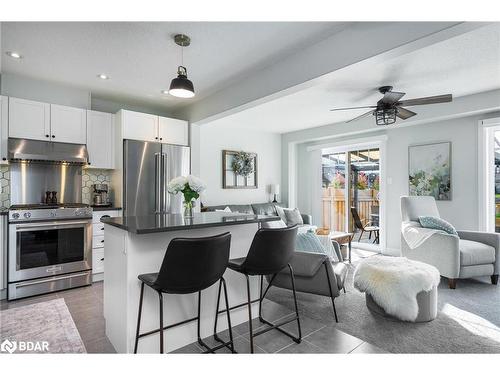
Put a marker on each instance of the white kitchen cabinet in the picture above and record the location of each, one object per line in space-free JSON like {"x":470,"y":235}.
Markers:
{"x":68,"y":124}
{"x":173,"y":131}
{"x":98,"y":241}
{"x":100,"y":139}
{"x":139,"y":126}
{"x":4,"y":129}
{"x":29,"y":119}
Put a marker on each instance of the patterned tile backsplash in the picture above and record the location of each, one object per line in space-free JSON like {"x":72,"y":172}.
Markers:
{"x":89,"y":178}
{"x":92,"y":176}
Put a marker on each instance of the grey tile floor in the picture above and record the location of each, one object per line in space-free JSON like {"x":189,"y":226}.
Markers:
{"x":86,"y":308}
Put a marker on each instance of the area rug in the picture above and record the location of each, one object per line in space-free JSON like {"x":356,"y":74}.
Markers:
{"x":45,"y":327}
{"x":468,"y":319}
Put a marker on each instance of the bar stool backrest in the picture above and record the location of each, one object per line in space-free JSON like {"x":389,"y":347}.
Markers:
{"x":271,"y":250}
{"x":194,"y":264}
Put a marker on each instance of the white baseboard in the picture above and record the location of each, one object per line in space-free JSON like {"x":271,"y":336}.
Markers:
{"x":3,"y":294}
{"x":97,"y":277}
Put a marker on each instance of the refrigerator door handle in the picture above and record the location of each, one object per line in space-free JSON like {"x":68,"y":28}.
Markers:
{"x":157,"y":183}
{"x":165,"y":196}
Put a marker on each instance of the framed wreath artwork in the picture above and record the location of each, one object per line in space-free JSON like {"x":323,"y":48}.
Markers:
{"x":239,"y":170}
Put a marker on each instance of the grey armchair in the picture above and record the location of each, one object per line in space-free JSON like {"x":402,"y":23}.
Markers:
{"x":471,"y":254}
{"x":314,"y":273}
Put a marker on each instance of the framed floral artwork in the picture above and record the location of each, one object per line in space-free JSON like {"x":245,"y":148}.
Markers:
{"x":429,"y":170}
{"x":239,"y":170}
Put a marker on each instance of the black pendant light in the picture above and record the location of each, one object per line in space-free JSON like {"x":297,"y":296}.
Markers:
{"x":181,"y":87}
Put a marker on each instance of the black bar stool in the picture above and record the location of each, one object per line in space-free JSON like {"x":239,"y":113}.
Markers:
{"x":271,"y":251}
{"x":190,"y":265}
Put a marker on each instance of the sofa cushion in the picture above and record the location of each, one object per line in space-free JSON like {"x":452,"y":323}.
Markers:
{"x":273,"y":224}
{"x":241,"y":208}
{"x":473,"y":253}
{"x":264,"y":209}
{"x":293,"y":217}
{"x":281,"y":213}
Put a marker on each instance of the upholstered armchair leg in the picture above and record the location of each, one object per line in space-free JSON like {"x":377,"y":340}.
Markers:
{"x":452,"y":283}
{"x":494,"y":279}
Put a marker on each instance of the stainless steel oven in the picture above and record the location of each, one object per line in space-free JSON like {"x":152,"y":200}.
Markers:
{"x":46,"y":256}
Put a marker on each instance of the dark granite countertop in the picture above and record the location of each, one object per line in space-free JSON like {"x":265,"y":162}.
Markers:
{"x":105,"y":208}
{"x":175,"y":222}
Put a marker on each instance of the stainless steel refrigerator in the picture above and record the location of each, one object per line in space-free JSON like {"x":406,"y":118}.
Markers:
{"x":147,"y":169}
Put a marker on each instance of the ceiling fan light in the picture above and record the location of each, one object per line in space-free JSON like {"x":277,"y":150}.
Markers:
{"x":181,"y":87}
{"x":385,"y":116}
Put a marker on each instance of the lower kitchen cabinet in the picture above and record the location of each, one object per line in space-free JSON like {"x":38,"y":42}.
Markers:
{"x":98,"y":242}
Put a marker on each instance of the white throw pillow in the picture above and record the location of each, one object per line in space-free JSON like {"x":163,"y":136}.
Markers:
{"x":227,"y":209}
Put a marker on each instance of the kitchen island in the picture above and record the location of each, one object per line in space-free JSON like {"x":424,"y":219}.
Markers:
{"x":135,"y":245}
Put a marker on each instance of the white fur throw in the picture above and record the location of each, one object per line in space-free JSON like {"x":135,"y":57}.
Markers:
{"x":394,"y":283}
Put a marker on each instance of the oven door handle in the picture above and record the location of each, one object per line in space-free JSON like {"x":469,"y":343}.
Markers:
{"x":52,"y":225}
{"x":27,"y":283}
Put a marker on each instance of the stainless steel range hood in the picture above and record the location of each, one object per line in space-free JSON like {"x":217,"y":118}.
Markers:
{"x":42,"y":151}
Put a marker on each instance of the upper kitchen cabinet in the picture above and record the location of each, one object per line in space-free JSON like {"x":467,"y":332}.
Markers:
{"x":173,"y":131}
{"x":151,"y":128}
{"x":4,"y":128}
{"x":68,"y":124}
{"x":100,"y":134}
{"x":46,"y":122}
{"x":29,"y":119}
{"x":139,"y":126}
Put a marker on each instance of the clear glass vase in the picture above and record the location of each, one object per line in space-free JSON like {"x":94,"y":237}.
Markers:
{"x":188,"y":209}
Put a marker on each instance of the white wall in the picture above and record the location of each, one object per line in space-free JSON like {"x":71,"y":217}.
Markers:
{"x":461,"y":211}
{"x":209,"y":140}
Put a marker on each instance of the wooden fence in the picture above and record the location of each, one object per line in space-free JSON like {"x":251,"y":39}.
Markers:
{"x":334,"y":208}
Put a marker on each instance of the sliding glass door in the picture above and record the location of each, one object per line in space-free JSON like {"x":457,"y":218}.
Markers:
{"x":351,"y":193}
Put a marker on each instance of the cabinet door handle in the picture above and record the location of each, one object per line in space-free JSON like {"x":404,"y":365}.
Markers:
{"x":102,"y":259}
{"x":161,"y":139}
{"x":47,"y":135}
{"x":102,"y":228}
{"x":53,"y":136}
{"x":102,"y":241}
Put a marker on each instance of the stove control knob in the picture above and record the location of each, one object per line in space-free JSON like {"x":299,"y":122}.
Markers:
{"x":15,"y":215}
{"x":78,"y":213}
{"x":52,"y":214}
{"x":27,"y":215}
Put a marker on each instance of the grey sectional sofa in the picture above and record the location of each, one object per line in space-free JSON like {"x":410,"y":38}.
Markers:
{"x":259,"y":209}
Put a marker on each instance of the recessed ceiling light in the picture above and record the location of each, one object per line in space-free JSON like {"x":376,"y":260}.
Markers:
{"x":14,"y":55}
{"x":103,"y":76}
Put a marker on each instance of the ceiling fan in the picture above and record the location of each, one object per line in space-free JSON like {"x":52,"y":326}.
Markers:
{"x":390,"y":106}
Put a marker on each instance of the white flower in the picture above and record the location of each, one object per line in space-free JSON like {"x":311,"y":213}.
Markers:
{"x":177,"y":184}
{"x":196,"y":184}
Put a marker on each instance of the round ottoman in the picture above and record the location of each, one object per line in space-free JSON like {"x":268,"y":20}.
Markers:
{"x":398,"y":288}
{"x":427,"y":306}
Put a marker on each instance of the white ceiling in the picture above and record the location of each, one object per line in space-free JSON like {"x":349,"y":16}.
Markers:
{"x":462,"y":65}
{"x":141,"y":58}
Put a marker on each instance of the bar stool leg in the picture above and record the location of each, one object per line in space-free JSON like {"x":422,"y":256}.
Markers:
{"x":250,"y":314}
{"x":139,"y":319}
{"x":260,"y":296}
{"x":216,"y":337}
{"x":160,"y":297}
{"x":296,"y":305}
{"x":198,"y":328}
{"x":228,"y":315}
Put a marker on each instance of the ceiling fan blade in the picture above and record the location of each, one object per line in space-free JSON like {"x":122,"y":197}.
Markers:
{"x":404,"y":113}
{"x":361,"y":116}
{"x":391,"y":97}
{"x":345,"y":109}
{"x":427,"y":100}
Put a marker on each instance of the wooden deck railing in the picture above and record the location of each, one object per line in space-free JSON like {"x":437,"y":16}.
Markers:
{"x":334,"y":208}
